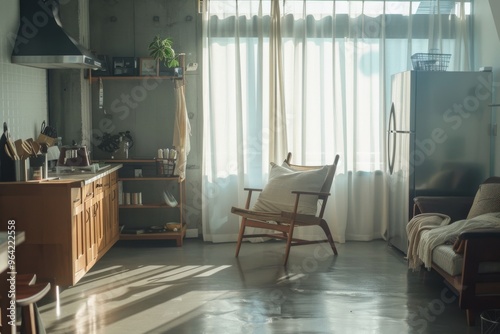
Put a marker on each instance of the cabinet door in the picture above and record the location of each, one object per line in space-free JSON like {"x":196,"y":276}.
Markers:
{"x":98,"y":221}
{"x":108,"y":222}
{"x":79,"y":242}
{"x":113,"y":213}
{"x":106,"y":216}
{"x":90,"y":239}
{"x":110,"y":214}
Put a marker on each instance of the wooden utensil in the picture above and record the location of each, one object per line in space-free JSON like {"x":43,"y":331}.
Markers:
{"x":11,"y":149}
{"x":36,"y":147}
{"x":27,"y":148}
{"x":31,"y":149}
{"x":20,"y":149}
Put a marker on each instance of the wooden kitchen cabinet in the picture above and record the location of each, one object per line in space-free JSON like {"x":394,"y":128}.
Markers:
{"x":66,"y":226}
{"x":79,"y":248}
{"x":109,"y":212}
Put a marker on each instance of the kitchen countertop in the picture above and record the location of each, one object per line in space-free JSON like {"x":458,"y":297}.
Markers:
{"x":68,"y":178}
{"x":85,"y":177}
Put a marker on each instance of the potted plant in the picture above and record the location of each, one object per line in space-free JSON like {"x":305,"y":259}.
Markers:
{"x":162,"y":50}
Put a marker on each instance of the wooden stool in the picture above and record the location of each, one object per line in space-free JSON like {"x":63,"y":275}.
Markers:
{"x":26,"y":297}
{"x":25,"y":279}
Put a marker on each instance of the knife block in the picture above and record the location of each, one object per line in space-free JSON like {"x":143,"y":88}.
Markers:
{"x":7,"y":165}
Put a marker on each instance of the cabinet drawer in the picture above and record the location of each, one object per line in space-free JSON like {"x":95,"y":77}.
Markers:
{"x":106,"y":181}
{"x":88,"y":191}
{"x":99,"y":185}
{"x":76,"y":196}
{"x":112,"y":178}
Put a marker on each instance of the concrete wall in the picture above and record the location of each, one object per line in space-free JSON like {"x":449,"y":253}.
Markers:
{"x":70,"y":90}
{"x":23,"y":90}
{"x":486,"y":41}
{"x":146,"y":107}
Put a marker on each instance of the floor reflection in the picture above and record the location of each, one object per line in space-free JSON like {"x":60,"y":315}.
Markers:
{"x":203,"y":288}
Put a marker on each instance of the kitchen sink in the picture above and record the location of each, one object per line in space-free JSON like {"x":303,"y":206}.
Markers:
{"x":92,"y":169}
{"x":101,"y":166}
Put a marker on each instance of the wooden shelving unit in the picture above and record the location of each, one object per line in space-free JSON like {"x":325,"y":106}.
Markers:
{"x":134,"y":77}
{"x":145,"y":183}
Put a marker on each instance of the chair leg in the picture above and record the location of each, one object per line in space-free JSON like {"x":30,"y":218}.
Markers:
{"x":326,"y":229}
{"x":28,"y":319}
{"x":471,"y":319}
{"x":240,"y":236}
{"x":288,"y":244}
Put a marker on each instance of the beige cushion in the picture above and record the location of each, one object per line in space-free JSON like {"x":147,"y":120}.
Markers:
{"x":487,"y":200}
{"x":277,"y":194}
{"x":445,"y":258}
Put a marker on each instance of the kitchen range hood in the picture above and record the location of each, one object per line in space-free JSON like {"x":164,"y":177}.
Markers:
{"x":42,"y":42}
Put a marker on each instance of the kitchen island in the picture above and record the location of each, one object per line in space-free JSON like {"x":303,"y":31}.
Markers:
{"x":70,"y":221}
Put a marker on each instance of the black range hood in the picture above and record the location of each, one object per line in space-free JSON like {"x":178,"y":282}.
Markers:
{"x":42,"y":42}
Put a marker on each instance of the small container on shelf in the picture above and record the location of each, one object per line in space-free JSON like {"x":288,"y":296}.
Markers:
{"x":173,"y":226}
{"x":165,"y":167}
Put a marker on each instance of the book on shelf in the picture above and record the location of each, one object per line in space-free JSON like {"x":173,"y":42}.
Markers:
{"x":132,"y":230}
{"x":120,"y":193}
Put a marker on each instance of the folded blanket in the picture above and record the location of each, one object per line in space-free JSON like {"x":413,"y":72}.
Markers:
{"x":434,"y":234}
{"x":415,"y":228}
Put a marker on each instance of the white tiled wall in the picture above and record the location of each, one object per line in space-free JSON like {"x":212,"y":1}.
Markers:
{"x":23,"y":90}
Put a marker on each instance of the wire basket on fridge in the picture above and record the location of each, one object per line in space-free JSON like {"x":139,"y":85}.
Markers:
{"x":430,"y":61}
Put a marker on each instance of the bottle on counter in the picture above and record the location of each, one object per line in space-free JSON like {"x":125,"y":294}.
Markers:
{"x":122,"y":152}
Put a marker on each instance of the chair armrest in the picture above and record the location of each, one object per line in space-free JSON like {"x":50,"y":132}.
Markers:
{"x":457,"y":207}
{"x":480,"y":233}
{"x":310,"y":193}
{"x":252,"y":189}
{"x":249,"y":196}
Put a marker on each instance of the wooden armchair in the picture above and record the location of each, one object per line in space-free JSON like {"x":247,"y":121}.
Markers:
{"x":282,"y":222}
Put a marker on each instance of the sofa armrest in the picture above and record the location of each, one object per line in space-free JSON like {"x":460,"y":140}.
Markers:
{"x":480,"y":234}
{"x":486,"y":239}
{"x":457,"y":207}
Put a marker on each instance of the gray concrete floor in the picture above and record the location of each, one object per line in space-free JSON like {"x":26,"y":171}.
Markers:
{"x":155,"y":287}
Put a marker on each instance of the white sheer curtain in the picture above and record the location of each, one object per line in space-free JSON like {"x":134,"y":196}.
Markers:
{"x":337,"y":58}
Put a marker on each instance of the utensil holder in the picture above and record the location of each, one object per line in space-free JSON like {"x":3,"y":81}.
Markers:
{"x":38,"y":167}
{"x":22,"y":167}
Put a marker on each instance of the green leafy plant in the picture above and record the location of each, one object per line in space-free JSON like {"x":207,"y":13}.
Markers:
{"x":161,"y":49}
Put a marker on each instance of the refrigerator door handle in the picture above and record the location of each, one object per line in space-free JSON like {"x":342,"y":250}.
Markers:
{"x":391,"y":154}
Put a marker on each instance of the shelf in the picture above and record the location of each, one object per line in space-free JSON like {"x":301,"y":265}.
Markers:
{"x":149,"y":178}
{"x":136,"y":77}
{"x":130,"y":161}
{"x":178,"y":236}
{"x":146,"y":206}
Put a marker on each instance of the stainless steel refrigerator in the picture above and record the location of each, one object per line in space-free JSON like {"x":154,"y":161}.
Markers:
{"x":438,"y":142}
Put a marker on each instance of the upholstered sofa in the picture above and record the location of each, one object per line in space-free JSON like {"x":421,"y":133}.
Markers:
{"x":471,"y":264}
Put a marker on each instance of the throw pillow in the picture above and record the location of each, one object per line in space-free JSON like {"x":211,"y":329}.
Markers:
{"x":277,"y":194}
{"x":487,"y":200}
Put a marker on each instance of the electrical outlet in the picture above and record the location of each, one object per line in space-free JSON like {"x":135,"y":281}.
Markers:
{"x":191,"y":67}
{"x":192,"y":233}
